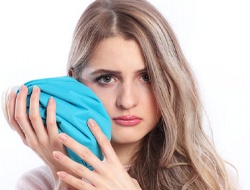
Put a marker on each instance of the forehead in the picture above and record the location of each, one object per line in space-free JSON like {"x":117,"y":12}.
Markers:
{"x":117,"y":52}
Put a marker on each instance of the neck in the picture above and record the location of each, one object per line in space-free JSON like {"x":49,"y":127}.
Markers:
{"x":125,"y":152}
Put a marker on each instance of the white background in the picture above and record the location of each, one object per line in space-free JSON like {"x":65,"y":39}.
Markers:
{"x":35,"y":38}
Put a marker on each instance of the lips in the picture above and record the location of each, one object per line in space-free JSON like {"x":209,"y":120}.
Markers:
{"x":127,"y":120}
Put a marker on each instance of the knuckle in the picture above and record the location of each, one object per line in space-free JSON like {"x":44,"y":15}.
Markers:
{"x":79,"y":169}
{"x":108,"y":176}
{"x":56,"y":144}
{"x":85,"y":153}
{"x":50,"y":123}
{"x":12,"y":121}
{"x":25,"y":142}
{"x":32,"y":116}
{"x":32,"y":143}
{"x":44,"y":142}
{"x":18,"y":116}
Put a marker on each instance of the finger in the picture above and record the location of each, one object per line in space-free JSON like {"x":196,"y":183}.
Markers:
{"x":82,"y":151}
{"x":34,"y":115}
{"x":135,"y":182}
{"x":103,"y":142}
{"x":77,"y":168}
{"x":75,"y":182}
{"x":22,"y":117}
{"x":4,"y":100}
{"x":52,"y":126}
{"x":11,"y":115}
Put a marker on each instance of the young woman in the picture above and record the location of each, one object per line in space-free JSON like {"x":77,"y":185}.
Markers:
{"x":127,"y":53}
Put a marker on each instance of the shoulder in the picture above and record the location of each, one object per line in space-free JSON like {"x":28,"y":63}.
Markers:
{"x":39,"y":179}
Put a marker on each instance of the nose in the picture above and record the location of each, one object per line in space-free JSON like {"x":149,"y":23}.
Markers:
{"x":128,"y":96}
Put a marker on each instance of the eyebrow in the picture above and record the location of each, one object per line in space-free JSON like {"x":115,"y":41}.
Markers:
{"x":99,"y":71}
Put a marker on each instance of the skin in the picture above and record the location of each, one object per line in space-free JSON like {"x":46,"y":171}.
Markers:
{"x":124,"y":89}
{"x":122,"y":84}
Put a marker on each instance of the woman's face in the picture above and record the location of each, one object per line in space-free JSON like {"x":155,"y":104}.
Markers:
{"x":117,"y":74}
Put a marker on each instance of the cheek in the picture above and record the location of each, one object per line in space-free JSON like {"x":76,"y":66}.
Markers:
{"x":105,"y":97}
{"x":106,"y":100}
{"x":154,"y":107}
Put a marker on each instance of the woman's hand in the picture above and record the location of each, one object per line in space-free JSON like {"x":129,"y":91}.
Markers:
{"x":108,"y":174}
{"x":42,"y":140}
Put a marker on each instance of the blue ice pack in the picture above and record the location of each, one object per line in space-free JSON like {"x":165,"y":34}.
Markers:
{"x":75,"y":104}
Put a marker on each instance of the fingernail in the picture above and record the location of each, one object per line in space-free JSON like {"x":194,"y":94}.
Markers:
{"x":62,"y":175}
{"x":35,"y":89}
{"x":51,"y":100}
{"x":63,"y":136}
{"x":57,"y":155}
{"x":22,"y":88}
{"x":91,"y":122}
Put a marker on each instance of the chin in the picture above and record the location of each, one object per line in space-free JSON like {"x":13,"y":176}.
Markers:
{"x":128,"y":139}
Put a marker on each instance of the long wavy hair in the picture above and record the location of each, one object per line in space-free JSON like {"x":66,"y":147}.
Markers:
{"x":176,"y":154}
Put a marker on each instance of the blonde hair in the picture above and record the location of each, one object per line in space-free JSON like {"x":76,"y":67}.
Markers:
{"x":176,"y":154}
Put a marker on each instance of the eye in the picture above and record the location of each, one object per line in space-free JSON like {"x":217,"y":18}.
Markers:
{"x":145,"y":77}
{"x":105,"y":79}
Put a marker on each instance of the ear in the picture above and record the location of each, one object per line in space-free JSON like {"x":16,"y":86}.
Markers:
{"x":71,"y":73}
